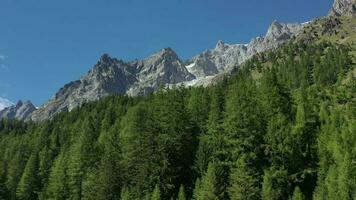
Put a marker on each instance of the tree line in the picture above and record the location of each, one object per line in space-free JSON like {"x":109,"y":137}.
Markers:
{"x":283,"y":126}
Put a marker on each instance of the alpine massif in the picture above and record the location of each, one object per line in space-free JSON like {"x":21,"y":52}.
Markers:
{"x":140,"y":77}
{"x":274,"y":119}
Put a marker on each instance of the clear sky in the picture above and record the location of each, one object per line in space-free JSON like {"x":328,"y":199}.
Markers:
{"x":47,"y":43}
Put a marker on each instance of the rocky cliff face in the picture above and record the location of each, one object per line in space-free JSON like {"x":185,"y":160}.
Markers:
{"x":113,"y":76}
{"x":20,"y":111}
{"x":162,"y":68}
{"x":140,"y":77}
{"x":343,"y":8}
{"x":224,"y":57}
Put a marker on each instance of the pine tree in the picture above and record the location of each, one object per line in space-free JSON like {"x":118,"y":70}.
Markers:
{"x":297,"y":194}
{"x":181,"y":193}
{"x":29,"y":184}
{"x":274,"y":185}
{"x":198,"y":107}
{"x":84,"y":153}
{"x":125,"y":194}
{"x":156,"y":194}
{"x":244,"y":124}
{"x":3,"y":189}
{"x":212,"y":145}
{"x":45,"y":162}
{"x":215,"y":136}
{"x":244,"y":184}
{"x":57,"y":187}
{"x":16,"y":166}
{"x":206,"y":188}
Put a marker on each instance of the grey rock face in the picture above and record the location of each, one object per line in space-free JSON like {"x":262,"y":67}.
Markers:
{"x":108,"y":76}
{"x":161,"y":68}
{"x":225,"y":57}
{"x":113,"y":76}
{"x":343,"y":8}
{"x":140,"y":77}
{"x":20,"y":111}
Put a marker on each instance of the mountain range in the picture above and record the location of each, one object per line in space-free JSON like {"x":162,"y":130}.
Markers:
{"x":140,"y":77}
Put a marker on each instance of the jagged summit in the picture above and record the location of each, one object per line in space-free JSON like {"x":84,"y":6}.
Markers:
{"x":139,"y":77}
{"x":21,"y":111}
{"x":280,"y":31}
{"x":113,"y":76}
{"x":167,"y":51}
{"x":224,"y":57}
{"x":220,"y":45}
{"x":164,"y":54}
{"x":105,"y":58}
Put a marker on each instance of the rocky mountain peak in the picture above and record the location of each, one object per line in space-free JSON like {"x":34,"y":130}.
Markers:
{"x":114,"y":76}
{"x":21,"y":111}
{"x":343,"y":8}
{"x":220,"y":45}
{"x":105,"y":58}
{"x":280,"y":31}
{"x":139,"y":77}
{"x":224,"y":57}
{"x":275,"y":25}
{"x":166,"y":53}
{"x":19,"y":103}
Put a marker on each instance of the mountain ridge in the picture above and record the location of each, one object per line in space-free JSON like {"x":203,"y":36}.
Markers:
{"x":140,"y":77}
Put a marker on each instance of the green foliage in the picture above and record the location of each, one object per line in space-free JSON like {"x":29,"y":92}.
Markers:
{"x":28,"y":186}
{"x":181,"y":193}
{"x":156,"y":194}
{"x":281,"y":127}
{"x":207,"y":188}
{"x":297,"y":194}
{"x":274,"y":185}
{"x":244,"y":184}
{"x":125,"y":194}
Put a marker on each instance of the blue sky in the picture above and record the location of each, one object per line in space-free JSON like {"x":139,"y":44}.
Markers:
{"x":46,"y":43}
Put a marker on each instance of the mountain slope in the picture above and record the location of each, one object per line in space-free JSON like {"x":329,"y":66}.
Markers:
{"x":290,"y":134}
{"x":140,"y":77}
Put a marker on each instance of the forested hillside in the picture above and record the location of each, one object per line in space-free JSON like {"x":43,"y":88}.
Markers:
{"x":281,"y":127}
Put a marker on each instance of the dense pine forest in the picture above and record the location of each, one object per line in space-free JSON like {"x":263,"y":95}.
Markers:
{"x":281,"y":127}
